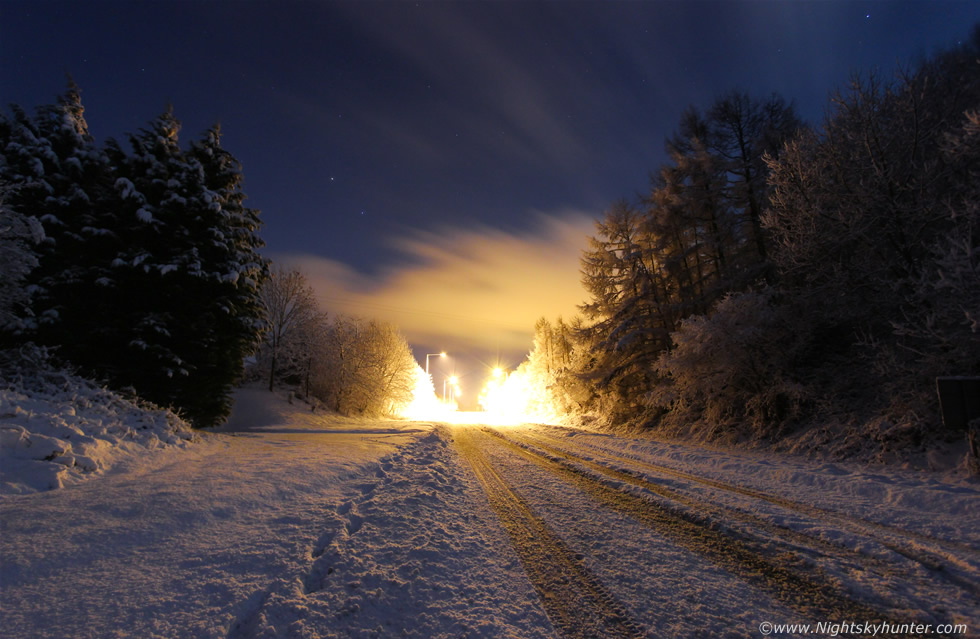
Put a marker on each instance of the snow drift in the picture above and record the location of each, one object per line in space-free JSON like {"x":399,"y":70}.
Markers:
{"x":58,"y":429}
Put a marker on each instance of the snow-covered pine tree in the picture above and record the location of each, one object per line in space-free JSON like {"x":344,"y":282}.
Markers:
{"x":152,"y":184}
{"x":149,"y":272}
{"x":226,"y":318}
{"x":19,"y":236}
{"x":191,"y":268}
{"x":56,"y":174}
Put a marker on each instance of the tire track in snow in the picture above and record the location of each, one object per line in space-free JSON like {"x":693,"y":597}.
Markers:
{"x":793,"y":539}
{"x":799,"y":587}
{"x":577,"y":604}
{"x":789,"y":504}
{"x":933,"y":560}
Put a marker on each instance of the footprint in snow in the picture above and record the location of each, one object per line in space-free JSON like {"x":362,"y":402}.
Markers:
{"x":323,"y":542}
{"x":354,"y":524}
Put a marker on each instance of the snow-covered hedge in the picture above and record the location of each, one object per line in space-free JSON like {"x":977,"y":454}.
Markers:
{"x":728,"y":371}
{"x":58,"y":429}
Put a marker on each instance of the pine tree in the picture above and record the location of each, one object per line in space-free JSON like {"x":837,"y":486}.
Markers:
{"x":630,"y":304}
{"x":154,"y":183}
{"x":57,"y":174}
{"x":743,"y":131}
{"x":229,"y":271}
{"x":192,"y":269}
{"x":149,"y":271}
{"x":19,"y":235}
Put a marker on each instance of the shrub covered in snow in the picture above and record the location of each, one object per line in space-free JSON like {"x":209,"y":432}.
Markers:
{"x":58,"y":429}
{"x":730,"y":369}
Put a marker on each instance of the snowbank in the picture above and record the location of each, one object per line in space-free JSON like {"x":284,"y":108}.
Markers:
{"x":58,"y":429}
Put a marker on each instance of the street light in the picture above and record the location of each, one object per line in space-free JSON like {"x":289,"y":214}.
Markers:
{"x":453,"y":381}
{"x":428,"y":355}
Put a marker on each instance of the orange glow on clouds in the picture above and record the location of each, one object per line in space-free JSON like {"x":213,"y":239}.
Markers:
{"x":479,"y":287}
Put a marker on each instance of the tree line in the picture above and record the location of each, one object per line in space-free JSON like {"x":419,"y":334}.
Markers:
{"x":778,"y":272}
{"x":352,"y":365}
{"x":137,"y":264}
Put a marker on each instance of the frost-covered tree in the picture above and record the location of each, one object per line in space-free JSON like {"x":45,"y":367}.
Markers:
{"x":57,"y":175}
{"x":367,"y":369}
{"x":874,"y":224}
{"x":191,"y":269}
{"x":731,"y":370}
{"x":226,"y":271}
{"x":692,"y":215}
{"x":155,"y":183}
{"x":696,"y":237}
{"x":552,"y":380}
{"x":742,"y":132}
{"x":938,"y":332}
{"x":630,"y":306}
{"x":392,"y":370}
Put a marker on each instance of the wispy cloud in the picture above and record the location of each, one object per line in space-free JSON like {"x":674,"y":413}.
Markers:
{"x":451,"y":48}
{"x":480,"y":289}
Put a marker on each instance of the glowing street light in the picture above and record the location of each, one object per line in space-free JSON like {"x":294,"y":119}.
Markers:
{"x":428,"y":355}
{"x":453,"y":382}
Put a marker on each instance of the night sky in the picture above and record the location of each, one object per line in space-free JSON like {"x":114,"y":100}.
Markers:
{"x":439,"y":165}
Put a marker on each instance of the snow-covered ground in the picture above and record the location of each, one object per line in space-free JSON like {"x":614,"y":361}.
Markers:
{"x":290,"y":523}
{"x":185,"y":541}
{"x":57,"y":429}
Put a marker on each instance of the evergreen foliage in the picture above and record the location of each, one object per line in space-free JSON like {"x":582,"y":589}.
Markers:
{"x":149,"y":274}
{"x":19,"y":236}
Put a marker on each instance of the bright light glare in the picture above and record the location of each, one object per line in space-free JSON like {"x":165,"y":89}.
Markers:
{"x":507,"y":399}
{"x":425,"y":404}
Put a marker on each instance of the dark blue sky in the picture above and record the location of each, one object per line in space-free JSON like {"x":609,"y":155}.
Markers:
{"x":368,"y":130}
{"x":419,"y":114}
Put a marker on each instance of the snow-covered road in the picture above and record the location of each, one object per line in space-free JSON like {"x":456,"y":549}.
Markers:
{"x":297,"y":525}
{"x":689,"y":542}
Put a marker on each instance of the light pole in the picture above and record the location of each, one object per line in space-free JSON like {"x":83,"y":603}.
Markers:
{"x":428,"y":355}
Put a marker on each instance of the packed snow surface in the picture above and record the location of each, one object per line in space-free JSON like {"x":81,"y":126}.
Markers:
{"x":294,"y":523}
